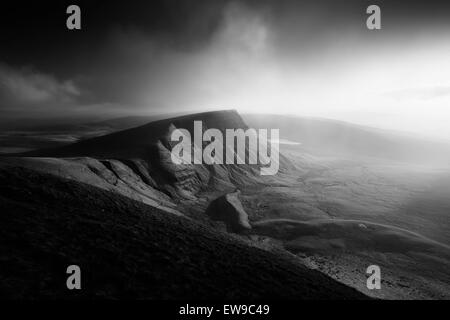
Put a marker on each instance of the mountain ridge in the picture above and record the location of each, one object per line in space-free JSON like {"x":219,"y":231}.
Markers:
{"x":134,"y":142}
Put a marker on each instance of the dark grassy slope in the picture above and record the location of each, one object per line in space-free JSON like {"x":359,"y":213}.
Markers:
{"x":129,"y":250}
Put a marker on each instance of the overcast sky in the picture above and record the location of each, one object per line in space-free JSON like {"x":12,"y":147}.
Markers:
{"x":310,"y":58}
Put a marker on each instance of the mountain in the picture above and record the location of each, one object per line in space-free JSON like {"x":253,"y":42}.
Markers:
{"x":137,"y":142}
{"x":137,"y":163}
{"x":345,"y":198}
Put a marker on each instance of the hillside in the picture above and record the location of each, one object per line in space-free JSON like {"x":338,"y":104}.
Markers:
{"x":127,"y":249}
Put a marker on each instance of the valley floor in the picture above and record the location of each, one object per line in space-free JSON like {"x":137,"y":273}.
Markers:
{"x":340,"y":216}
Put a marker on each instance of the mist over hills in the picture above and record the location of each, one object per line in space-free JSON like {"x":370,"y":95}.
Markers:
{"x":316,"y":136}
{"x":97,"y":98}
{"x":342,"y":199}
{"x":331,"y":137}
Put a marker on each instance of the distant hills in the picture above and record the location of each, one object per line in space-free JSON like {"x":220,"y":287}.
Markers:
{"x":317,"y":136}
{"x":331,"y":137}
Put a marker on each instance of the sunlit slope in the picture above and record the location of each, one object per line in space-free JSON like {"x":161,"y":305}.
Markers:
{"x":413,"y":266}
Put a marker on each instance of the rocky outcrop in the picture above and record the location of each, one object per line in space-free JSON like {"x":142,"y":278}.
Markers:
{"x":186,"y":178}
{"x":228,"y":209}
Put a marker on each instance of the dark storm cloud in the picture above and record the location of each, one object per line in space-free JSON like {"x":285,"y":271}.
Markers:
{"x":169,"y":54}
{"x":26,"y":92}
{"x":34,"y":31}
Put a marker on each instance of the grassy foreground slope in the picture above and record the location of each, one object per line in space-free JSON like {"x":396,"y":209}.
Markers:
{"x":127,"y":249}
